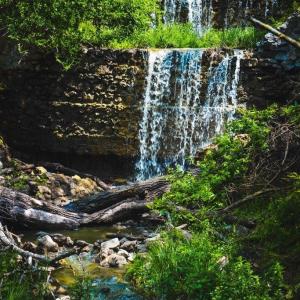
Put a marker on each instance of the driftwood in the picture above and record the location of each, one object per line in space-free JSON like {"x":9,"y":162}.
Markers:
{"x":104,"y":208}
{"x":281,"y":35}
{"x":146,"y":190}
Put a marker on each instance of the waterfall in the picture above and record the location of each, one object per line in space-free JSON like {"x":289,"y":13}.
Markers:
{"x":176,"y":120}
{"x":269,"y":6}
{"x":199,"y":13}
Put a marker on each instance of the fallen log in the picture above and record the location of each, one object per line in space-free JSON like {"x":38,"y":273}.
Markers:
{"x":104,"y":208}
{"x":144,"y":191}
{"x":18,"y":208}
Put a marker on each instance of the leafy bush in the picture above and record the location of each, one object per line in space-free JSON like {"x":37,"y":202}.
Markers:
{"x":19,"y":282}
{"x":223,"y":168}
{"x":201,"y":268}
{"x":63,"y":25}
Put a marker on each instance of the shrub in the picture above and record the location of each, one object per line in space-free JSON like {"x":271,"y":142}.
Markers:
{"x":63,"y":25}
{"x":20,"y":282}
{"x":201,"y":268}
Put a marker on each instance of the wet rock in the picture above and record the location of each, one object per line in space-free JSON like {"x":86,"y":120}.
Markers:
{"x":141,"y":248}
{"x":152,"y":240}
{"x":62,"y":240}
{"x":2,"y":180}
{"x":41,"y":170}
{"x":29,"y":246}
{"x":129,"y":246}
{"x":81,"y":243}
{"x":110,"y":244}
{"x":46,"y":242}
{"x":114,"y":261}
{"x":124,"y":253}
{"x":1,"y":165}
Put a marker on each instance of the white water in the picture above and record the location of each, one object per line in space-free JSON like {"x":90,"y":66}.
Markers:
{"x":199,"y":12}
{"x":176,"y":120}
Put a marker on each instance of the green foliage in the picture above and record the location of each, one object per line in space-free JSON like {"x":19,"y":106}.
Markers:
{"x":82,"y":289}
{"x":233,"y":38}
{"x":19,"y":282}
{"x":183,"y":36}
{"x":225,"y":164}
{"x":66,"y":25}
{"x":279,"y":224}
{"x":200,"y":268}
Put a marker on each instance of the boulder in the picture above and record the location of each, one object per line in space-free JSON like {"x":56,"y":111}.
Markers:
{"x":110,"y":244}
{"x":47,"y":243}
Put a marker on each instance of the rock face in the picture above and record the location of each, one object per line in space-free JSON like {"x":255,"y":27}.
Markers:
{"x":222,"y":14}
{"x":272,"y":73}
{"x":92,"y":109}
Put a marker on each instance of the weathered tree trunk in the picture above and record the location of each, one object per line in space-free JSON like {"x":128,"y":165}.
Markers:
{"x":142,"y":191}
{"x":104,"y":208}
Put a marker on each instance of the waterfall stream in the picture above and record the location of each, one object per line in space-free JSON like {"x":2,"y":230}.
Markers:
{"x":176,"y":120}
{"x":198,"y":13}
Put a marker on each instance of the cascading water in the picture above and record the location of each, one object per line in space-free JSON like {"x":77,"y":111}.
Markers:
{"x":199,"y":12}
{"x":176,"y":121}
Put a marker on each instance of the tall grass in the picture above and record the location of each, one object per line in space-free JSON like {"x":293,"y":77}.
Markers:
{"x":183,"y":36}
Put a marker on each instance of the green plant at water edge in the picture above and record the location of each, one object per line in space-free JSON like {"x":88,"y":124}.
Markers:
{"x":251,"y":168}
{"x":82,"y":288}
{"x":19,"y":281}
{"x":225,"y":167}
{"x":201,"y":268}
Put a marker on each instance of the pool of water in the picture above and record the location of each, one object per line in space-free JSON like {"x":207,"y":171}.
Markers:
{"x":88,"y":234}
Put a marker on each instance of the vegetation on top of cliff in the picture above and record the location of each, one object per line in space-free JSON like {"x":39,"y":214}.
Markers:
{"x":247,"y":196}
{"x":183,"y":36}
{"x":64,"y":26}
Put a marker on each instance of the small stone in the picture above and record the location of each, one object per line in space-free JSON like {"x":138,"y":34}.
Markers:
{"x":129,"y":246}
{"x":81,"y":243}
{"x":47,"y":243}
{"x":29,"y":246}
{"x":123,"y":252}
{"x":114,"y":261}
{"x":41,"y":170}
{"x":141,"y":248}
{"x":131,"y":257}
{"x":110,"y":244}
{"x":153,"y":239}
{"x":58,"y":192}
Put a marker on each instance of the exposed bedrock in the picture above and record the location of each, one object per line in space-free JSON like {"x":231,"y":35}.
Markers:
{"x":94,"y":109}
{"x":205,"y":14}
{"x":272,"y":72}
